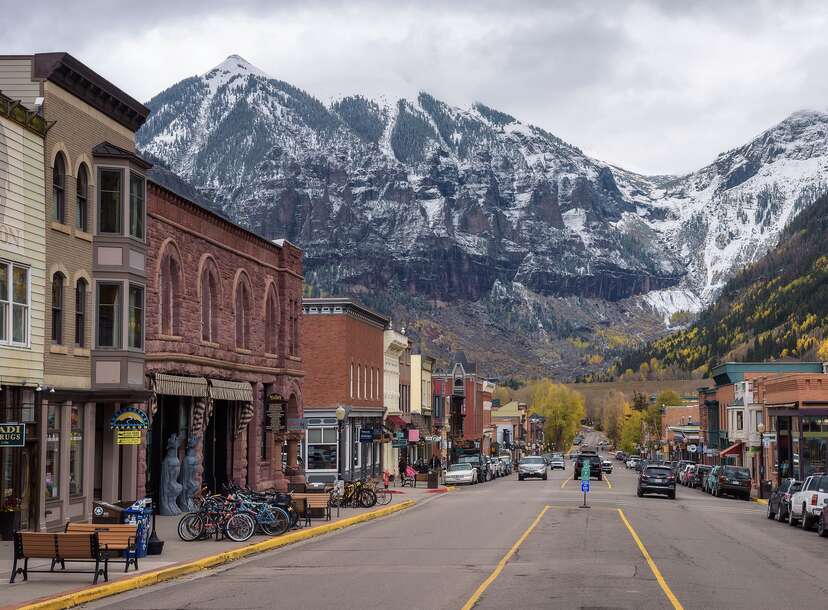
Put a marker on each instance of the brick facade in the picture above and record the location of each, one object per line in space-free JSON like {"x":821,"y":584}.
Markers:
{"x":197,"y":240}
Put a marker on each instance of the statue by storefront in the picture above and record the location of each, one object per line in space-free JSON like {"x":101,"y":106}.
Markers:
{"x":188,"y":477}
{"x":170,"y":487}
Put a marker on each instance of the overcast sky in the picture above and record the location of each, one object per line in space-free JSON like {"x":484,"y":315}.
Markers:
{"x":655,"y":87}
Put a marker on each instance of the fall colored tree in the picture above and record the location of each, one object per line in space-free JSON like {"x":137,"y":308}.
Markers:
{"x":562,"y":408}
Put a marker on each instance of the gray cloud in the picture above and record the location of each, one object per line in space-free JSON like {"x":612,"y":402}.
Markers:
{"x":657,"y":87}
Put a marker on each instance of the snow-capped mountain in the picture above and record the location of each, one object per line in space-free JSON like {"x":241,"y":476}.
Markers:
{"x":417,"y":201}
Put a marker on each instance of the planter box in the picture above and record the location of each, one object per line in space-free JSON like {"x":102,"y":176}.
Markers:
{"x":9,"y":523}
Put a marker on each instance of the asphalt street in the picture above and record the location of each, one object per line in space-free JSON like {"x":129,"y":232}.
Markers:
{"x":511,"y":544}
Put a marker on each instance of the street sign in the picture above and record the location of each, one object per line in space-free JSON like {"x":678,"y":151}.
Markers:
{"x":584,"y":486}
{"x":692,"y":448}
{"x":585,"y":471}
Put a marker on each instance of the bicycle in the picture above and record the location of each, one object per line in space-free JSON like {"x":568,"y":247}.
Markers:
{"x":218,"y":516}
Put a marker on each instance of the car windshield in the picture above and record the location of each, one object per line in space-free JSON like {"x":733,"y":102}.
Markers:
{"x":456,"y":467}
{"x":532,"y":460}
{"x":658,"y":471}
{"x":734,"y":472}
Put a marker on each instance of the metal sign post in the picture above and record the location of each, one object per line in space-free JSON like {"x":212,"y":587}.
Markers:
{"x":585,"y":482}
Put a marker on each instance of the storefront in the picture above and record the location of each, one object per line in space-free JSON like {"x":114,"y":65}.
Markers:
{"x":357,"y":453}
{"x":801,"y":441}
{"x":20,"y":499}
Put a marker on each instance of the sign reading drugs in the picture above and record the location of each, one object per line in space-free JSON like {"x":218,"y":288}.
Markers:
{"x":12,"y":435}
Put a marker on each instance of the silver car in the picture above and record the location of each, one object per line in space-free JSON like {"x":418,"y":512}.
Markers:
{"x":557,"y":462}
{"x":532,"y":466}
{"x":462,"y":473}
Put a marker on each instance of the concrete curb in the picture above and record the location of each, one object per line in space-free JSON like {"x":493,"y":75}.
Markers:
{"x":89,"y":594}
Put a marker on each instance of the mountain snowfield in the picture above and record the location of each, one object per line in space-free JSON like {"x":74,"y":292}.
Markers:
{"x":436,"y":204}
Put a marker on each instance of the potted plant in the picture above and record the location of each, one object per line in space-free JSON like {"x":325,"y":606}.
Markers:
{"x":9,"y":518}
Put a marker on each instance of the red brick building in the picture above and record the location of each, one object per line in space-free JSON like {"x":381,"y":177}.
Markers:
{"x":343,"y":355}
{"x":223,"y":346}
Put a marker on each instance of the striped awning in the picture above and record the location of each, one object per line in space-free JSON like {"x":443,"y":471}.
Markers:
{"x":176,"y":385}
{"x":231,"y":390}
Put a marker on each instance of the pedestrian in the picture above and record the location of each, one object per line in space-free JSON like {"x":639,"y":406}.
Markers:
{"x":402,"y":466}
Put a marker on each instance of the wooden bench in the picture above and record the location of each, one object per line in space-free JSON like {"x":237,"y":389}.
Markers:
{"x":118,"y":537}
{"x":313,"y":501}
{"x":60,"y":548}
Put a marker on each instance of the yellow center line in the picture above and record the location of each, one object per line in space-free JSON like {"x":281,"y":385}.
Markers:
{"x":606,"y":478}
{"x":566,"y":480}
{"x":502,"y":563}
{"x":656,"y":572}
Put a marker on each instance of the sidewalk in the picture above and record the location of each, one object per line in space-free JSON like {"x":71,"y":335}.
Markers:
{"x":175,"y":552}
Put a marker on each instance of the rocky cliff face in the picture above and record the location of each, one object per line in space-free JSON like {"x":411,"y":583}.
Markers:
{"x":420,"y":206}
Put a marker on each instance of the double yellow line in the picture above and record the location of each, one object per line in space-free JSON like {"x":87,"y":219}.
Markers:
{"x":568,"y":479}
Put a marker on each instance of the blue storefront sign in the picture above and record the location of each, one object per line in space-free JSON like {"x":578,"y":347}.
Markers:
{"x":366,"y":435}
{"x":12,"y":434}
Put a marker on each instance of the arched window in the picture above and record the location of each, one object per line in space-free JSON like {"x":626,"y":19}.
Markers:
{"x":169,"y":284}
{"x":81,"y":196}
{"x":271,"y":322}
{"x":242,"y":316}
{"x":209,"y":306}
{"x":59,"y":189}
{"x":80,"y":312}
{"x":57,"y":307}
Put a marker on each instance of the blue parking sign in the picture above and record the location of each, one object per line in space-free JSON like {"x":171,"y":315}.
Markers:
{"x":584,"y":486}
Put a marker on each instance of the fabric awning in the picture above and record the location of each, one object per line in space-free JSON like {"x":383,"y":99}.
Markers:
{"x":396,"y":421}
{"x":734,"y":449}
{"x":177,"y":385}
{"x":231,"y":390}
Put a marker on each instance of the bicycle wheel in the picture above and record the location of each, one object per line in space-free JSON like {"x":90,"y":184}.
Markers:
{"x":367,"y":498}
{"x":383,"y":496}
{"x":190,"y":527}
{"x":240,"y":527}
{"x":274,"y":521}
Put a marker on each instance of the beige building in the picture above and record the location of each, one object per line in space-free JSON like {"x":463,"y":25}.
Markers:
{"x":95,"y":238}
{"x":22,"y":284}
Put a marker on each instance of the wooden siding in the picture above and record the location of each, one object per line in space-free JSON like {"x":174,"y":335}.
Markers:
{"x":22,"y":240}
{"x":16,"y":80}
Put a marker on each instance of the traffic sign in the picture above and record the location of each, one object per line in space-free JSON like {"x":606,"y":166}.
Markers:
{"x":692,"y":448}
{"x":584,"y":486}
{"x":585,"y":471}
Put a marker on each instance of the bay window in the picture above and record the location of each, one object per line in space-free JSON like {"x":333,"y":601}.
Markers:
{"x":14,"y":303}
{"x":109,"y":315}
{"x":322,"y":445}
{"x":136,"y":206}
{"x":110,"y":190}
{"x":136,"y":317}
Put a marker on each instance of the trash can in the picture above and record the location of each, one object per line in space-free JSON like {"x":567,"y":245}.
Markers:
{"x":140,"y":514}
{"x":104,"y":512}
{"x":433,"y":479}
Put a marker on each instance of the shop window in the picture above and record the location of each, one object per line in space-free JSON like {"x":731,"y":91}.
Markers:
{"x":57,"y":307}
{"x":59,"y":189}
{"x":272,"y":323}
{"x":110,"y":189}
{"x":82,"y":199}
{"x":242,"y":316}
{"x":76,"y":451}
{"x":209,"y":307}
{"x":80,"y":312}
{"x":109,"y":315}
{"x":52,"y":474}
{"x":322,"y":446}
{"x":14,"y":304}
{"x":136,"y":317}
{"x":169,"y":284}
{"x":136,"y":205}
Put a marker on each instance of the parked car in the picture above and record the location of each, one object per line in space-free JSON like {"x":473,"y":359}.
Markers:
{"x":808,"y":503}
{"x":711,"y":476}
{"x":733,"y":481}
{"x":594,"y":466}
{"x":507,"y":462}
{"x":463,"y":473}
{"x":497,"y":468}
{"x":490,"y":467}
{"x":657,"y":479}
{"x":686,"y":474}
{"x":532,"y":466}
{"x":476,"y":460}
{"x":557,"y":462}
{"x":632,"y":461}
{"x":822,"y":524}
{"x":606,"y":466}
{"x":679,"y":465}
{"x":620,"y":456}
{"x":779,"y":503}
{"x":702,"y":470}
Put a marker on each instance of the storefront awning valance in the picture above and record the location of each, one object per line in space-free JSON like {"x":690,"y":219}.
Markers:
{"x":176,"y":385}
{"x":395,"y":421}
{"x":231,"y":390}
{"x":734,"y":449}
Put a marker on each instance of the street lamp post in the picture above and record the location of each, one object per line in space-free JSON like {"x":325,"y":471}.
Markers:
{"x":341,"y":413}
{"x":760,"y":428}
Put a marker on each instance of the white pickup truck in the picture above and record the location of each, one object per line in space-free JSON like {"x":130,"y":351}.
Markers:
{"x":808,"y":503}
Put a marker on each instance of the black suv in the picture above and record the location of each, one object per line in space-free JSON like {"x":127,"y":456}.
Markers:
{"x":657,"y":479}
{"x":594,"y":466}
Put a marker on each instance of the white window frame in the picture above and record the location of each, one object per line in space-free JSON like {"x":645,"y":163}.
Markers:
{"x":9,"y":303}
{"x":335,"y":444}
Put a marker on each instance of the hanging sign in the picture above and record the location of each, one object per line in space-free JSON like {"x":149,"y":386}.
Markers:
{"x":366,"y":435}
{"x":12,"y":435}
{"x":129,"y":418}
{"x":692,"y":448}
{"x":127,"y":437}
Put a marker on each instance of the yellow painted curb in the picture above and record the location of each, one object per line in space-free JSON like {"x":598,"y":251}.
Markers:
{"x":84,"y":596}
{"x":760,"y":501}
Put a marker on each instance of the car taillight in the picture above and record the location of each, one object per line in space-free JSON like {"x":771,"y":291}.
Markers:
{"x":670,"y":478}
{"x":814,"y":499}
{"x":722,"y":479}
